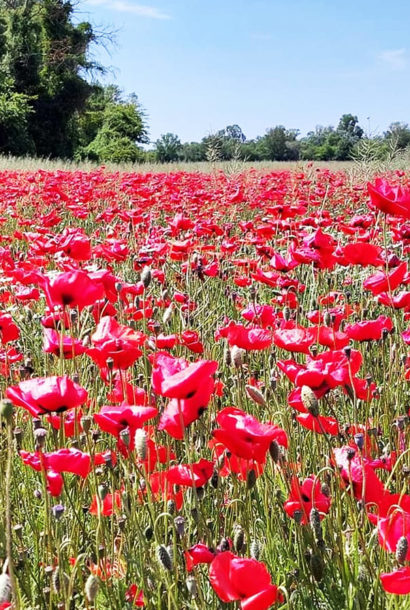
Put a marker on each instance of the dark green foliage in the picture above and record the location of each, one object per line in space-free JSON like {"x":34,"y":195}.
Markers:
{"x":110,"y":127}
{"x":46,"y":101}
{"x":168,"y":148}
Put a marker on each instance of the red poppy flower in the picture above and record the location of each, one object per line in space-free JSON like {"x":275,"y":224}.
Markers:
{"x":71,"y":422}
{"x":319,"y":424}
{"x":191,"y":475}
{"x":116,"y":341}
{"x":46,"y":394}
{"x":245,"y":436}
{"x":72,"y":289}
{"x":114,"y":420}
{"x":233,"y":464}
{"x":357,"y":254}
{"x":197,"y":554}
{"x":135,"y":596}
{"x":305,"y":496}
{"x":185,"y":383}
{"x":391,"y":528}
{"x":246,"y":338}
{"x":369,"y":330}
{"x":396,"y":582}
{"x":381,"y":282}
{"x":8,"y":329}
{"x":297,"y":339}
{"x":246,"y":580}
{"x":63,"y":460}
{"x":107,"y":506}
{"x":56,"y":344}
{"x":389,"y":199}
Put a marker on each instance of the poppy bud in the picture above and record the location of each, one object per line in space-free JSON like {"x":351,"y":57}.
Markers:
{"x":180,"y":525}
{"x":141,"y":443}
{"x":286,"y":313}
{"x":18,"y":436}
{"x":238,"y":538}
{"x":255,"y":549}
{"x":317,"y":566}
{"x":6,"y":410}
{"x":215,"y":479}
{"x":58,"y":511}
{"x":237,"y":356}
{"x":224,"y":546}
{"x":164,"y":557}
{"x":401,"y":550}
{"x":359,"y":440}
{"x":274,"y":451}
{"x":227,"y":356}
{"x":125,"y":436}
{"x":191,"y":585}
{"x":146,"y":277}
{"x":298,"y":516}
{"x":148,"y":533}
{"x":91,"y":587}
{"x":309,"y":400}
{"x":251,"y":478}
{"x":327,"y":319}
{"x":314,"y":519}
{"x":256,"y":395}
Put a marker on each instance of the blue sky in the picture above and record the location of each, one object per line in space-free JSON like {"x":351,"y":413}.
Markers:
{"x":199,"y":65}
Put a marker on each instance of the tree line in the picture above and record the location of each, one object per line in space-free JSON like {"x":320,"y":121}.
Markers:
{"x":281,"y":144}
{"x":52,"y":105}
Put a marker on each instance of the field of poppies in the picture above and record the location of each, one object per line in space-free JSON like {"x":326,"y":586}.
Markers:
{"x":205,"y":390}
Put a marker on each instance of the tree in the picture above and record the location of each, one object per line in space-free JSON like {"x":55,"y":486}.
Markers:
{"x":398,"y":134}
{"x":110,"y":127}
{"x":168,"y":148}
{"x":279,"y":144}
{"x":44,"y":57}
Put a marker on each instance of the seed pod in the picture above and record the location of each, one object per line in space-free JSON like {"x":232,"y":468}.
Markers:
{"x":171,"y":506}
{"x":40,"y":435}
{"x":227,"y":356}
{"x":164,"y":557}
{"x":401,"y":550}
{"x":148,"y":533}
{"x":141,"y":443}
{"x":309,"y":400}
{"x":91,"y":587}
{"x":256,"y":395}
{"x":317,"y":566}
{"x":86,"y":422}
{"x":238,"y":538}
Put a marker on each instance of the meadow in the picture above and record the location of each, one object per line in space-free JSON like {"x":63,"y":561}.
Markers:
{"x":205,"y":387}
